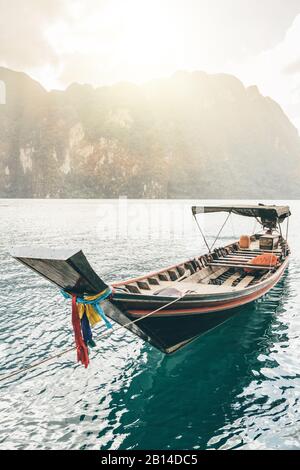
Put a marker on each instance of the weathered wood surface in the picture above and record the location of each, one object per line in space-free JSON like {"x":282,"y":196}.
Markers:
{"x":232,"y":265}
{"x":68,"y":269}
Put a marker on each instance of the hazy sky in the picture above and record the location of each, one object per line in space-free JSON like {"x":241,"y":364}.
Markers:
{"x":104,"y":41}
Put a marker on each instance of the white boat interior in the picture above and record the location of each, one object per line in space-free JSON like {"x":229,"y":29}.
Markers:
{"x":226,"y":269}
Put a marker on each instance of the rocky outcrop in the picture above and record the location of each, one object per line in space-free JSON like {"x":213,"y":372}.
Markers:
{"x":193,"y":135}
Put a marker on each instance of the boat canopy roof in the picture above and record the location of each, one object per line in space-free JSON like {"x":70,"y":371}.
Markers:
{"x":278,"y":213}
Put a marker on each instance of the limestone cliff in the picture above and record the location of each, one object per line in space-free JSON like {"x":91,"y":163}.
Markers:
{"x":193,"y":135}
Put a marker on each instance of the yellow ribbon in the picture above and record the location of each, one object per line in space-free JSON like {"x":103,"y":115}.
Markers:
{"x":91,"y":313}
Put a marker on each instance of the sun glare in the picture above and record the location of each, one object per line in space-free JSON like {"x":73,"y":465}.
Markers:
{"x":141,"y":39}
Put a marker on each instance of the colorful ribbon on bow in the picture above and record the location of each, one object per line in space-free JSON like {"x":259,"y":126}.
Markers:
{"x":86,"y":312}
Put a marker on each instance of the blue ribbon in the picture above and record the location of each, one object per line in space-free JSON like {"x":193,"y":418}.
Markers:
{"x":95,"y":303}
{"x":86,"y":331}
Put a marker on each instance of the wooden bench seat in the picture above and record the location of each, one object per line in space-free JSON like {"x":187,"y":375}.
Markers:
{"x":240,"y":265}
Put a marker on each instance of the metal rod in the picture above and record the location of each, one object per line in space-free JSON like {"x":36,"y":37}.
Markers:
{"x":220,"y":231}
{"x":203,"y":236}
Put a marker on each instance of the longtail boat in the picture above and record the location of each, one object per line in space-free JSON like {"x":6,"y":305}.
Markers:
{"x":173,"y":306}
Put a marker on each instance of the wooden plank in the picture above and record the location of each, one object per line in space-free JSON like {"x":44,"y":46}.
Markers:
{"x":241,"y":255}
{"x":231,"y":279}
{"x":246,"y":258}
{"x":250,"y":266}
{"x":218,"y":273}
{"x":235,"y":260}
{"x":241,"y":262}
{"x":68,"y":269}
{"x":258,"y":251}
{"x":214,"y":275}
{"x":245,"y":282}
{"x":225,"y":262}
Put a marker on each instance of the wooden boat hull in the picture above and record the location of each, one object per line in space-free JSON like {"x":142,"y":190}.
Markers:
{"x":170,"y":333}
{"x":174,"y":327}
{"x":171,"y":307}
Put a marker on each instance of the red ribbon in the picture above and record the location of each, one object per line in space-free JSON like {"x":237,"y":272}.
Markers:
{"x":82,"y":350}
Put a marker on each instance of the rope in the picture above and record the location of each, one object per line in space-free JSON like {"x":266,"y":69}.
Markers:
{"x":108,"y":331}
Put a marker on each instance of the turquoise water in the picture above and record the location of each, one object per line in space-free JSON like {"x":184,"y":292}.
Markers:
{"x":236,"y":387}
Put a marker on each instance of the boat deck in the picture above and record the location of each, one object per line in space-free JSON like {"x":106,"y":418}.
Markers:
{"x":217,"y":273}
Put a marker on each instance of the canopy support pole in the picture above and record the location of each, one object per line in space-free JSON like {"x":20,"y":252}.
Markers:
{"x":203,"y":236}
{"x":287,"y":228}
{"x":219,"y":233}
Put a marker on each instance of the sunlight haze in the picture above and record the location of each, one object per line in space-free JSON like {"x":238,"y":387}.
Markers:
{"x":102,"y":42}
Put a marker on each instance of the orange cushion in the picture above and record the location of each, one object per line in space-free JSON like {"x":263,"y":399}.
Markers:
{"x":266,"y":259}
